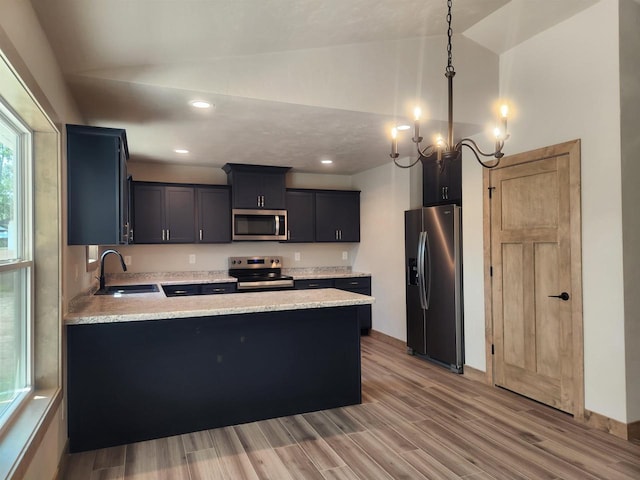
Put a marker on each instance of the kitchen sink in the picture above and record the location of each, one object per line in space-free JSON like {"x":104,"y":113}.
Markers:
{"x":126,"y":289}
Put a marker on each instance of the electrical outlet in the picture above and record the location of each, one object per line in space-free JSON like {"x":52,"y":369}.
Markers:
{"x":192,"y":259}
{"x":345,"y":255}
{"x":296,"y":256}
{"x":127,"y":260}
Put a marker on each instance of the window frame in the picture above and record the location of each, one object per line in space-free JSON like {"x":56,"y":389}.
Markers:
{"x":24,"y":261}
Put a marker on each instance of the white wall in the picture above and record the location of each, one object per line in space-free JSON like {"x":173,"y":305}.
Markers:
{"x":384,"y":198}
{"x":630,"y":126}
{"x":25,"y":45}
{"x":564,"y":83}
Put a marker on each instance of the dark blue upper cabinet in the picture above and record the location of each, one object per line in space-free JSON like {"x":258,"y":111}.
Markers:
{"x":441,"y":181}
{"x":256,"y":186}
{"x":97,"y":186}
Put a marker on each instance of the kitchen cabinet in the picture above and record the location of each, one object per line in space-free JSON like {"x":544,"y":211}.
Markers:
{"x":360,"y":285}
{"x":256,"y":186}
{"x":441,"y":182}
{"x":213,"y":206}
{"x":337,"y":216}
{"x":163,"y":213}
{"x":134,"y":381}
{"x":300,"y":215}
{"x":189,"y":289}
{"x":97,"y":186}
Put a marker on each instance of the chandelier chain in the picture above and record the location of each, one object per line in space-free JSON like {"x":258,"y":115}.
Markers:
{"x":449,"y":35}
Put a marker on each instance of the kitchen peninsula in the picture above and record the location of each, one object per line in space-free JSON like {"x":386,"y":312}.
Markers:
{"x":144,"y":366}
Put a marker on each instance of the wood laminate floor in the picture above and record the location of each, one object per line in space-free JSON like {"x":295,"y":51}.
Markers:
{"x":417,"y":421}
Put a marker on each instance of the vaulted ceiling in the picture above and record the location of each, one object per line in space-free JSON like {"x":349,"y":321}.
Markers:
{"x":292,"y":81}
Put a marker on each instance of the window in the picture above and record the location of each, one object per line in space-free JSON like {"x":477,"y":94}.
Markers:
{"x":15,"y":264}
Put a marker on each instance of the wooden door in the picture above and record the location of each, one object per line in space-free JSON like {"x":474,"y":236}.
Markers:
{"x":535,"y":255}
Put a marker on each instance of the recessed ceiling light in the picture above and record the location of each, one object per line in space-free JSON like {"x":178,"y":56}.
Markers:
{"x":181,"y":150}
{"x":200,"y":104}
{"x":403,"y":127}
{"x":326,"y":162}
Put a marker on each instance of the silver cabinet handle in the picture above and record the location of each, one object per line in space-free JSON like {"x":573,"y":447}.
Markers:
{"x":336,"y":234}
{"x":200,"y":234}
{"x":163,"y":235}
{"x":168,"y":234}
{"x":340,"y":234}
{"x":288,"y":234}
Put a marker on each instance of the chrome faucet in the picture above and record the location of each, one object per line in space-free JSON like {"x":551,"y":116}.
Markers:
{"x":104,"y":254}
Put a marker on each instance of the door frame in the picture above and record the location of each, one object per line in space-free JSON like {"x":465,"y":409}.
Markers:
{"x":572,"y":149}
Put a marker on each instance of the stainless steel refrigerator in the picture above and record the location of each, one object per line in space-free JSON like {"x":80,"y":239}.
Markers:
{"x":433,"y":261}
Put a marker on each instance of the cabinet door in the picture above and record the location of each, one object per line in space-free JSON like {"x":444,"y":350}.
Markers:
{"x":96,"y":185}
{"x":441,"y":184}
{"x":148,"y":213}
{"x":247,"y":189}
{"x":349,"y":217}
{"x":180,"y":224}
{"x":360,"y":285}
{"x":300,"y":216}
{"x":273,"y":191}
{"x":326,"y":217}
{"x":451,"y":181}
{"x":430,"y":182}
{"x":214,"y":215}
{"x":338,"y":216}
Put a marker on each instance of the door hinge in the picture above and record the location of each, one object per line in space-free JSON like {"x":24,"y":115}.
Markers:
{"x":491,"y":189}
{"x":491,"y":271}
{"x":493,"y":350}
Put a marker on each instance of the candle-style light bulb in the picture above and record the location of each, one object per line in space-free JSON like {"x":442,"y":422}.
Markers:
{"x":439,"y":145}
{"x":504,"y":112}
{"x":394,"y":142}
{"x":497,"y":133}
{"x":416,"y":124}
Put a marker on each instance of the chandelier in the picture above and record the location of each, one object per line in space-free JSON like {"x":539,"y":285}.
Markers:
{"x":446,"y":148}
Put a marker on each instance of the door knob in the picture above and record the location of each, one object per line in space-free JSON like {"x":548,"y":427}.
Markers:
{"x":563,"y":296}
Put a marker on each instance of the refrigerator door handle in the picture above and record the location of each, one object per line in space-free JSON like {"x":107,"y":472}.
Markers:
{"x":421,"y":279}
{"x":427,"y":280}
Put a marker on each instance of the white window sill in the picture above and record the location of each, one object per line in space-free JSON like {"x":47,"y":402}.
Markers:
{"x":22,"y":438}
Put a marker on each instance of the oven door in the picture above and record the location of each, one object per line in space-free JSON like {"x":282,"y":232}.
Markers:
{"x":259,"y":224}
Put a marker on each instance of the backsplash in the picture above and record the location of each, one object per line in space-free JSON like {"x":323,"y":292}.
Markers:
{"x":213,"y":257}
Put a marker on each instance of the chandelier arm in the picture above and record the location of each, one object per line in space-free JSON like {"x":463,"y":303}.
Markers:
{"x":475,"y":153}
{"x":474,"y":146}
{"x":423,"y":152}
{"x":406,"y":166}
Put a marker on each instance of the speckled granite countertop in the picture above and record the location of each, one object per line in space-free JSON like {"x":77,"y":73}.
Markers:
{"x":222,"y":276}
{"x":322,"y":272}
{"x":90,"y":309}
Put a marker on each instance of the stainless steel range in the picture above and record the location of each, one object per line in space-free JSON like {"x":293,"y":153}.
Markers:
{"x":259,"y":273}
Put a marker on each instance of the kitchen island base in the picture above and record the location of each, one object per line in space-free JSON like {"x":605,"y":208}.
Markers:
{"x":139,"y":380}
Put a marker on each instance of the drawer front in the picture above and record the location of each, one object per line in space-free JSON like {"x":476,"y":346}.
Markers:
{"x":217,"y":288}
{"x":180,"y":290}
{"x":354,"y":283}
{"x":318,"y":283}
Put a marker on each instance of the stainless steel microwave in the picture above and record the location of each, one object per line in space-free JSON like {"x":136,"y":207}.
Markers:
{"x":259,"y":224}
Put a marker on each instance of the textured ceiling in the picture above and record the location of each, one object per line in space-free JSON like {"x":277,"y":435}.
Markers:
{"x":293,"y":81}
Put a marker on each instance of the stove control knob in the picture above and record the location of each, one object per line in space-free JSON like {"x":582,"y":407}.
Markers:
{"x":276,"y":261}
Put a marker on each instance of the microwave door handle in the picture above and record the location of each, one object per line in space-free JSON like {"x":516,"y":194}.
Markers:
{"x":277,"y":224}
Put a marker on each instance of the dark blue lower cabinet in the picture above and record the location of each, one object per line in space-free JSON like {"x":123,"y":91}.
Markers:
{"x":135,"y":381}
